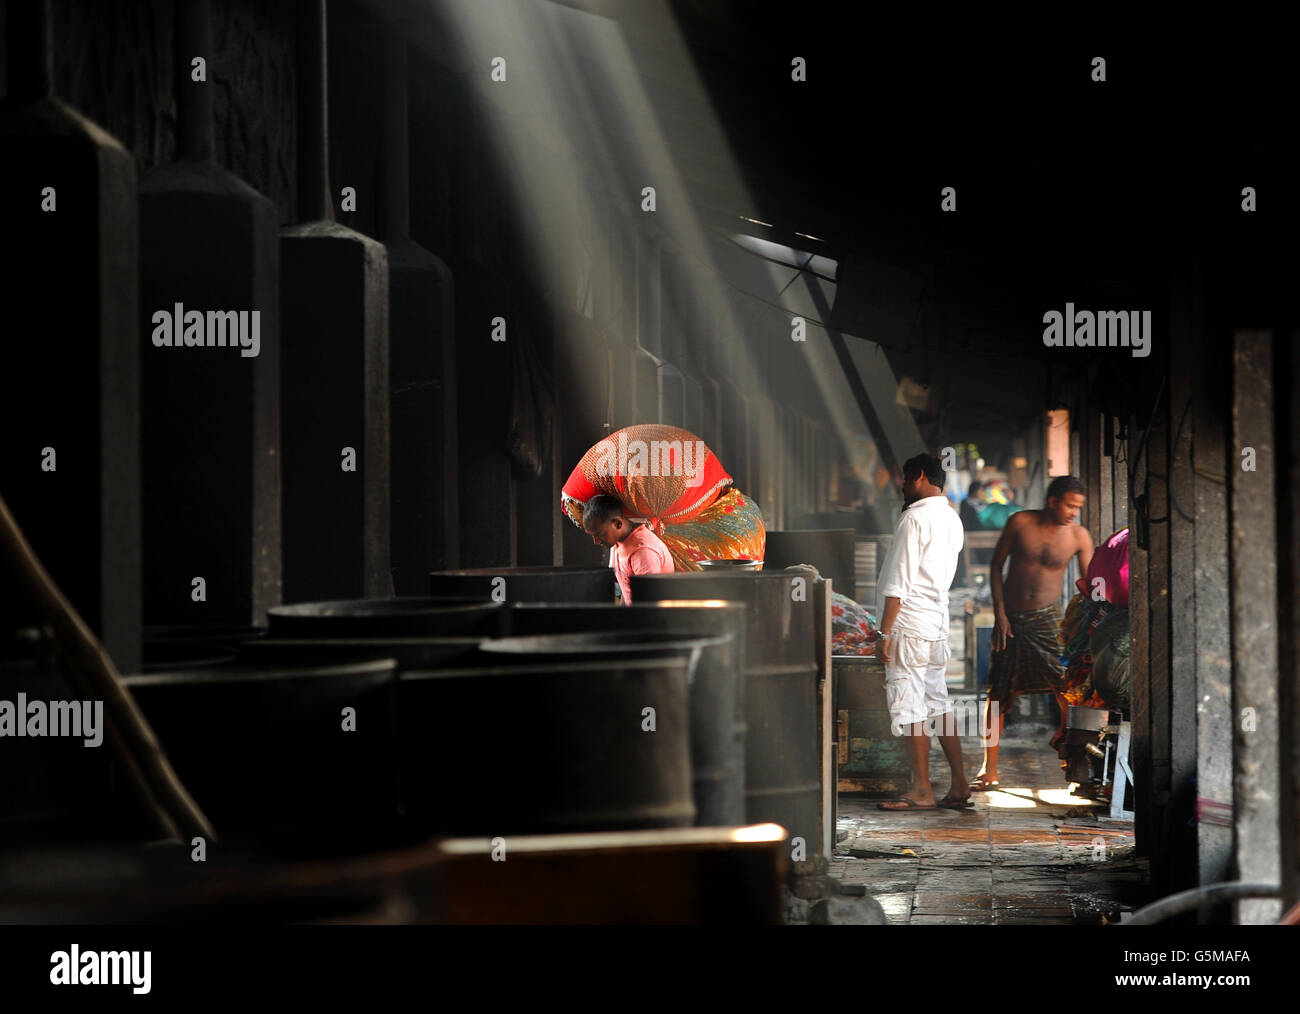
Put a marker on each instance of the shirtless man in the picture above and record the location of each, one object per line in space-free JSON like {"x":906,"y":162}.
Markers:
{"x":1027,"y":613}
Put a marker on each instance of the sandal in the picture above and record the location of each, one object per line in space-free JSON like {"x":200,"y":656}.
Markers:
{"x":951,"y":803}
{"x":908,"y":804}
{"x":981,"y":784}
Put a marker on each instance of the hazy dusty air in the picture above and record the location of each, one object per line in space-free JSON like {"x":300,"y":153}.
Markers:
{"x":639,"y":462}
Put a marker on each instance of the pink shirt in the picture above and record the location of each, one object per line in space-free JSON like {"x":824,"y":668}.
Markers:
{"x":642,"y":552}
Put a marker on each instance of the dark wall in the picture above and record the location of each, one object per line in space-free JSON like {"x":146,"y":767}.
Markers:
{"x":566,"y":376}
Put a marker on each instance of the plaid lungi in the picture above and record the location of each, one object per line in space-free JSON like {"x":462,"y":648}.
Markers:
{"x":1031,"y":661}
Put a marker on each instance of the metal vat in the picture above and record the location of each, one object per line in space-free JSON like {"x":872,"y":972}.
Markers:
{"x":537,"y":749}
{"x":713,"y":666}
{"x":397,"y":617}
{"x":787,"y":755}
{"x":526,"y":584}
{"x":267,"y":755}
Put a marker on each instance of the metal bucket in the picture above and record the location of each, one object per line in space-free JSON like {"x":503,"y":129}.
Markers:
{"x":267,"y":755}
{"x":398,"y":617}
{"x":713,"y":665}
{"x":546,"y":749}
{"x":526,"y":584}
{"x":731,"y":566}
{"x":785,"y":744}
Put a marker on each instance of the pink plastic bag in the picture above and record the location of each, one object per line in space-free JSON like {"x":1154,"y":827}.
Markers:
{"x":1110,"y":563}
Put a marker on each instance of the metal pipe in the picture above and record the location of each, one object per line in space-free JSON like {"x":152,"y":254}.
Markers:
{"x":1197,"y":897}
{"x":313,"y":114}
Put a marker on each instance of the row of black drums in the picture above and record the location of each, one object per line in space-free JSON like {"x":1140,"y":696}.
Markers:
{"x":483,"y":711}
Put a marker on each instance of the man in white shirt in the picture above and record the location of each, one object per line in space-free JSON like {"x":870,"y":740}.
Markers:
{"x":914,"y":583}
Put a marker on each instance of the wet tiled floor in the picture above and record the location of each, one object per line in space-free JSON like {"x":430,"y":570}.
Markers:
{"x":1028,"y":853}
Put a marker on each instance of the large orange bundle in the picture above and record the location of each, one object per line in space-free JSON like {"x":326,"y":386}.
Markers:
{"x":668,"y":478}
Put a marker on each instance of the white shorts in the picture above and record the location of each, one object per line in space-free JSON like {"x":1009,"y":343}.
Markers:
{"x":915,"y":687}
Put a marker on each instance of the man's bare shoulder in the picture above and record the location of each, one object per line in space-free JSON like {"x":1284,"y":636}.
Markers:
{"x":1021,"y":520}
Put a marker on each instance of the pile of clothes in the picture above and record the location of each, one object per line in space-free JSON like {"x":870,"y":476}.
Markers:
{"x":1097,"y":634}
{"x":853,"y":628}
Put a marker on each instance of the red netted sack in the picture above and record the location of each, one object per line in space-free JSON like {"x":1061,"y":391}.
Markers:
{"x":661,"y":474}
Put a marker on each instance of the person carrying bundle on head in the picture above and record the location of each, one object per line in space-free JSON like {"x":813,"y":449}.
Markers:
{"x":633,"y":547}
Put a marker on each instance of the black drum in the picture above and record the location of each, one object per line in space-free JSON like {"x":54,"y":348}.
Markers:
{"x":784,"y":739}
{"x":399,"y":617}
{"x":526,"y":584}
{"x":297,"y":761}
{"x":546,"y":749}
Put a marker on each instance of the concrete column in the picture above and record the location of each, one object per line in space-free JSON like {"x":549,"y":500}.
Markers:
{"x":422,"y":361}
{"x":211,"y":416}
{"x":335,"y":390}
{"x":1288,"y":424}
{"x":1151,"y":742}
{"x":1142,"y":657}
{"x":1257,"y":845}
{"x":70,"y":460}
{"x":1180,"y":814}
{"x":1214,"y":779}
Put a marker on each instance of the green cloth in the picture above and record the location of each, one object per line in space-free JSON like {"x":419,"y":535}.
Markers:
{"x":1111,"y":646}
{"x":996,"y":515}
